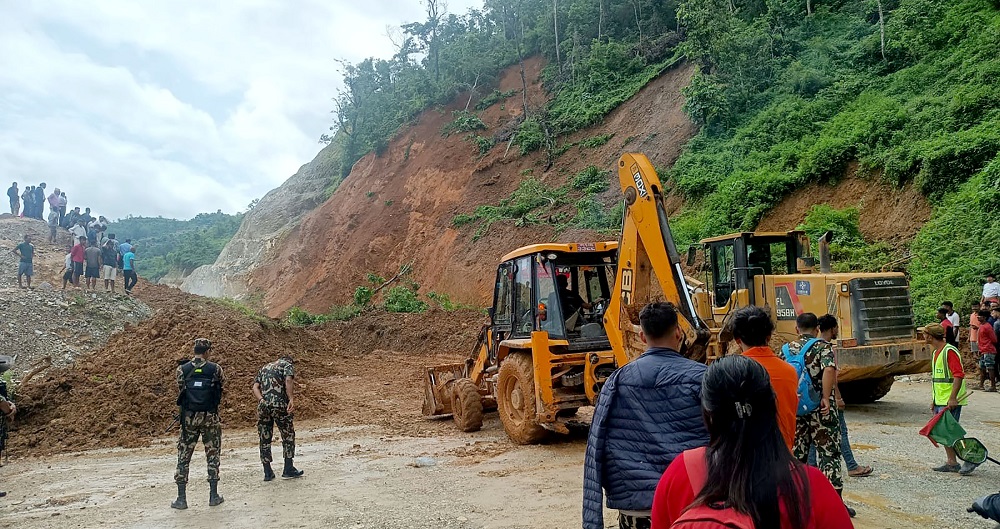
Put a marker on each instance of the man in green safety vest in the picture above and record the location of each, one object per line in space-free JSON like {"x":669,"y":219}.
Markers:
{"x":948,"y":379}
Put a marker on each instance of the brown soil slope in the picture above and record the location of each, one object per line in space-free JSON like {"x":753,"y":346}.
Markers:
{"x":364,"y":371}
{"x":398,"y":208}
{"x":888,"y":214}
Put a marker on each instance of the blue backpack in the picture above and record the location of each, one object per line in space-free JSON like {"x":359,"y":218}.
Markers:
{"x":809,"y":398}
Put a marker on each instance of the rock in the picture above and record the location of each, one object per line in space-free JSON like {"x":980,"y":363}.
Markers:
{"x":422,"y":462}
{"x":276,"y":213}
{"x":46,"y":286}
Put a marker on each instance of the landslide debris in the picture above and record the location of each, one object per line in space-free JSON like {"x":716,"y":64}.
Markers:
{"x":366,"y":371}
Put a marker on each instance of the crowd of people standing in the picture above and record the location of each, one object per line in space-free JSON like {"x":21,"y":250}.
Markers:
{"x":94,"y":254}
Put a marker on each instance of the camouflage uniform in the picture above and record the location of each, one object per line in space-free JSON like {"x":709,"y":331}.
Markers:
{"x":634,"y":522}
{"x":816,"y":428}
{"x":195,"y":425}
{"x":273,"y":409}
{"x":3,"y":429}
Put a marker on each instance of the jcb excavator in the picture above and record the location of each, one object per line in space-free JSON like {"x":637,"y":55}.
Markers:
{"x":565,"y":316}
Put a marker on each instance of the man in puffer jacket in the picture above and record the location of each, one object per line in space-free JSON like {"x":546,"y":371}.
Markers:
{"x":648,"y":412}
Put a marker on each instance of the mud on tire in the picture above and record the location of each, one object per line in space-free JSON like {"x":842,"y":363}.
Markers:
{"x":516,"y":399}
{"x":466,"y":405}
{"x":866,"y":391}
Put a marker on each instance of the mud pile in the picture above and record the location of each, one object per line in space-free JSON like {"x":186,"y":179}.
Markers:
{"x":363,"y":371}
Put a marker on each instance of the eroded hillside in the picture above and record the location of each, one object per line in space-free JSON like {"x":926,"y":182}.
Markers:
{"x":399,"y":207}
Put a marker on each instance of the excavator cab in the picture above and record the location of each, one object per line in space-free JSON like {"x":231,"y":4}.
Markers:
{"x":735,"y":260}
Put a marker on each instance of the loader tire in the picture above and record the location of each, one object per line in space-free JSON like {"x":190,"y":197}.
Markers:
{"x":516,"y":400}
{"x":866,"y":391}
{"x":466,"y":405}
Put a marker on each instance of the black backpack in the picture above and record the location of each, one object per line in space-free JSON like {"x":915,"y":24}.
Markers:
{"x":201,"y":392}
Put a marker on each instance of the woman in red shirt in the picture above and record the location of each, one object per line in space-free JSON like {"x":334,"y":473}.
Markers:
{"x":746,"y":466}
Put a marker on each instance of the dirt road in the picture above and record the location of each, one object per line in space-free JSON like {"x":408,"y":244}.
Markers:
{"x":360,"y":477}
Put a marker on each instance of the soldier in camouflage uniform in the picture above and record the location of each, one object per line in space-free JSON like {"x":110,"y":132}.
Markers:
{"x":822,"y":426}
{"x":274,"y":389}
{"x":200,"y":384}
{"x":7,"y":408}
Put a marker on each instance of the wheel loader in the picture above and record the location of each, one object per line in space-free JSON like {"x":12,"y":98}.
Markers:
{"x":565,"y":316}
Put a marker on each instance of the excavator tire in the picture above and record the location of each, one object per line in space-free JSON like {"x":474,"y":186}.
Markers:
{"x":866,"y":391}
{"x":516,"y":400}
{"x":466,"y":405}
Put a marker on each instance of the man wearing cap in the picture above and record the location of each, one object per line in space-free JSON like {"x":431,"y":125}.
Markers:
{"x":948,"y":382}
{"x":200,"y":384}
{"x":274,"y":390}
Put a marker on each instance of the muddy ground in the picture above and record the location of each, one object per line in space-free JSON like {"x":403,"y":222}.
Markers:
{"x":363,"y":477}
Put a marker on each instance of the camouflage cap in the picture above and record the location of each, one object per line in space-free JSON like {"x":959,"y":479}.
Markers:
{"x":203,"y":343}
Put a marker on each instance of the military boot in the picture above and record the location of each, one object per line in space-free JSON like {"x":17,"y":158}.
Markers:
{"x":290,"y":470}
{"x":213,"y":496}
{"x":268,"y":473}
{"x":181,"y":501}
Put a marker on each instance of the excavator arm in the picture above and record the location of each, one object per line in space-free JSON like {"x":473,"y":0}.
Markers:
{"x":648,"y":257}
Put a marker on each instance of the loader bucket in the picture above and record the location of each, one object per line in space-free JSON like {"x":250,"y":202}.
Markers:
{"x":437,"y":388}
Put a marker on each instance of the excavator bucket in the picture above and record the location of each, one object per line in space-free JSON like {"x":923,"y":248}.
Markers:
{"x":437,"y":388}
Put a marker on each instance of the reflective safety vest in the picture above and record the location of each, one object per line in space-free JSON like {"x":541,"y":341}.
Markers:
{"x":943,"y":379}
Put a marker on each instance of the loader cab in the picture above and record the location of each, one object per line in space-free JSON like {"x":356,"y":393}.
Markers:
{"x":735,"y":260}
{"x":558,"y":288}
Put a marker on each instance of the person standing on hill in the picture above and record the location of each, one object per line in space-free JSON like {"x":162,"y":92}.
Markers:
{"x":53,"y":200}
{"x":200,"y":385}
{"x":25,"y":267}
{"x":63,"y":202}
{"x":78,"y":256}
{"x":274,"y":390}
{"x":752,"y":328}
{"x":948,"y":385}
{"x":820,"y":427}
{"x":92,"y":256}
{"x":991,"y":291}
{"x":974,"y":328}
{"x":128,"y":270}
{"x":53,"y":225}
{"x":27,"y":202}
{"x":648,"y":412}
{"x":68,"y":270}
{"x":109,"y":260}
{"x":987,"y":352}
{"x":15,"y":199}
{"x":78,"y":230}
{"x":8,"y":410}
{"x":953,"y":316}
{"x":40,"y":201}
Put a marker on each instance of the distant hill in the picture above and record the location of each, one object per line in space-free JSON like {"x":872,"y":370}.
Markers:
{"x":180,"y":246}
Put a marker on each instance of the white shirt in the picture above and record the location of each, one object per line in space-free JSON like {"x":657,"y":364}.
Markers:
{"x":954,"y":319}
{"x":991,"y":290}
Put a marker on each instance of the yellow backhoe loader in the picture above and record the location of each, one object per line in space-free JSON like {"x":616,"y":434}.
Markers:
{"x":564,"y":315}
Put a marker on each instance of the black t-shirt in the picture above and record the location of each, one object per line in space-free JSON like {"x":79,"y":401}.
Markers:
{"x":12,"y":193}
{"x":571,"y":302}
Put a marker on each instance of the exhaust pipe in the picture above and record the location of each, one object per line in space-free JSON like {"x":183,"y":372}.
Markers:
{"x":824,"y":253}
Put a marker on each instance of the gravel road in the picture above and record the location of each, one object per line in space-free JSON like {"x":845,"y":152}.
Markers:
{"x":360,"y":478}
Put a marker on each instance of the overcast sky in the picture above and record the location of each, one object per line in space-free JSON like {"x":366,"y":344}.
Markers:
{"x":176,"y":108}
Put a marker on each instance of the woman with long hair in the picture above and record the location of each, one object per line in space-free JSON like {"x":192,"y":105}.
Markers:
{"x":746,"y":474}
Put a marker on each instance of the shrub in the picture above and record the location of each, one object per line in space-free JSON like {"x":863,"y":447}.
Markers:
{"x":464,"y":122}
{"x":596,"y":141}
{"x":530,"y":136}
{"x":403,"y":298}
{"x":591,"y":180}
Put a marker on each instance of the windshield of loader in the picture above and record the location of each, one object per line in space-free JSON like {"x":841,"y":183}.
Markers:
{"x":574,"y":289}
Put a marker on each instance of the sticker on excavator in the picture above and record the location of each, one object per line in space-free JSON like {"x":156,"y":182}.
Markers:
{"x":639,"y":183}
{"x":784,"y":309}
{"x":586,"y":247}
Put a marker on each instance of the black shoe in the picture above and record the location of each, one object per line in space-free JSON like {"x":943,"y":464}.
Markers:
{"x":268,"y":473}
{"x":181,"y":501}
{"x":213,"y":496}
{"x":290,"y":470}
{"x":851,"y":511}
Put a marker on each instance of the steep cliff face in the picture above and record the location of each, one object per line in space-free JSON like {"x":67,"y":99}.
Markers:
{"x":398,"y":207}
{"x":264,"y":227}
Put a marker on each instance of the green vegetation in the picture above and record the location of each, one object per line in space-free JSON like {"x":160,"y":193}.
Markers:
{"x":591,"y":180}
{"x":464,"y":122}
{"x":526,"y":205}
{"x":600,"y":54}
{"x":849,"y":251}
{"x":596,"y":141}
{"x":165,"y":245}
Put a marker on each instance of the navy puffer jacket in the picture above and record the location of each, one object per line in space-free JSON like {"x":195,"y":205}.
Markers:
{"x":648,"y":412}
